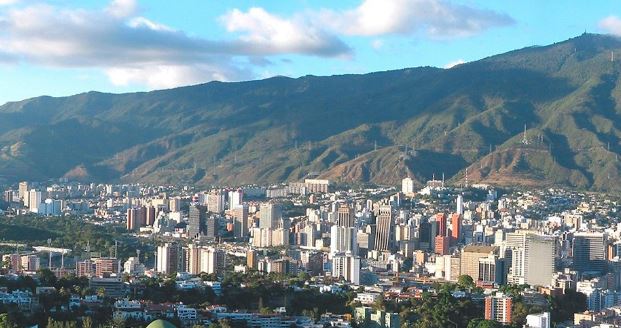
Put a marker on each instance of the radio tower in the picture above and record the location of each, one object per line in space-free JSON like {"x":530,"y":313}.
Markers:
{"x":524,"y":138}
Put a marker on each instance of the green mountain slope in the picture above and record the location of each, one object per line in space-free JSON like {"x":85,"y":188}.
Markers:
{"x":375,"y":127}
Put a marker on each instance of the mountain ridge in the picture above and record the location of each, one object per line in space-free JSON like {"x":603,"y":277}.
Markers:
{"x":375,"y":127}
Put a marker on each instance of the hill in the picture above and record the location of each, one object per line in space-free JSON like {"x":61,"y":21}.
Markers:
{"x":561,"y":99}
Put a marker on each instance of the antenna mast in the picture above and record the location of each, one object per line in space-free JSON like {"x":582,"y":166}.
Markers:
{"x":524,"y":138}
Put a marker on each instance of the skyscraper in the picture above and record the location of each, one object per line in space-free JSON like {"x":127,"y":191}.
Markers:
{"x":589,"y":252}
{"x":460,"y":204}
{"x":345,"y":216}
{"x":150,"y":215}
{"x":384,"y":227}
{"x":441,"y":245}
{"x":346,"y":266}
{"x":441,"y":220}
{"x":168,"y":258}
{"x":270,"y":215}
{"x":196,"y":220}
{"x":131,"y":219}
{"x":407,"y":186}
{"x":215,"y":201}
{"x":240,"y":221}
{"x":236,"y":198}
{"x":343,"y":240}
{"x":532,"y":258}
{"x":23,"y":192}
{"x":455,"y":228}
{"x":34,"y":200}
{"x":212,"y":224}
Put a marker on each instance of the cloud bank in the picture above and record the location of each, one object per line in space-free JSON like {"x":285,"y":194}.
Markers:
{"x":132,"y":49}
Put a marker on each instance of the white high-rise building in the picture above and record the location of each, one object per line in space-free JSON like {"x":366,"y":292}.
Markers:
{"x":211,"y":260}
{"x":533,"y":259}
{"x":270,"y":215}
{"x":346,"y":266}
{"x":236,"y":198}
{"x":343,"y":240}
{"x":34,"y":200}
{"x":167,"y":260}
{"x":460,"y":204}
{"x":407,"y":186}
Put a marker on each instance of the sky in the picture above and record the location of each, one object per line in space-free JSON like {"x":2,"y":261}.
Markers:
{"x":65,"y":47}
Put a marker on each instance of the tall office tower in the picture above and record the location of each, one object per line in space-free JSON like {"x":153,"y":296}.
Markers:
{"x":407,"y":186}
{"x":131,"y":219}
{"x":34,"y":200}
{"x":346,"y":266}
{"x":215,"y":201}
{"x":141,"y":216}
{"x":236,"y":198}
{"x":498,"y":308}
{"x":383,"y":230}
{"x":240,"y":221}
{"x":196,"y":220}
{"x":441,"y":221}
{"x":460,"y":205}
{"x":470,"y":256}
{"x":532,"y":258}
{"x":212,"y":260}
{"x":270,"y":215}
{"x":539,"y":259}
{"x":150,"y":215}
{"x":345,"y":216}
{"x":589,"y":252}
{"x":492,"y":270}
{"x":343,"y":240}
{"x":168,"y":258}
{"x":455,"y":228}
{"x":252,"y":259}
{"x":212,"y":224}
{"x":174,"y":204}
{"x":441,"y":245}
{"x":425,"y":238}
{"x":193,"y":259}
{"x":23,"y":192}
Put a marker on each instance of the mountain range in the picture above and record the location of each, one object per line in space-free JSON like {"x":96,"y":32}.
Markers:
{"x":538,"y":116}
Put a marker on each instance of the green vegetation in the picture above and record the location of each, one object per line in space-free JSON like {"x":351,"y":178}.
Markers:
{"x":281,"y":129}
{"x":69,"y":232}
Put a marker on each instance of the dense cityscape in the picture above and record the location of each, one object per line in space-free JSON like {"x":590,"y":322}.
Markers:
{"x":309,"y":254}
{"x":310,"y":164}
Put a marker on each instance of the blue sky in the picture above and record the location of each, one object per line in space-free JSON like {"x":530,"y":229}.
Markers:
{"x":64,"y":47}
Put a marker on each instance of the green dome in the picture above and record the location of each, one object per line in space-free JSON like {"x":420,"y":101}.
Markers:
{"x":159,"y":323}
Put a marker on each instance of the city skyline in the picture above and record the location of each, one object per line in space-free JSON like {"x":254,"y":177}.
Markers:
{"x":143,"y":46}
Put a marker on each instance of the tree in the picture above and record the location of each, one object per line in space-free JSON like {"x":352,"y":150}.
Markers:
{"x":87,"y":322}
{"x":482,"y":323}
{"x":465,"y":281}
{"x":6,"y":322}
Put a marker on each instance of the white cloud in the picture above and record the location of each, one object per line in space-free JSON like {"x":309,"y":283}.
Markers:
{"x":8,"y":2}
{"x":122,"y":8}
{"x":455,"y":63}
{"x":611,"y":24}
{"x":272,"y":34}
{"x":134,"y":49}
{"x":437,"y":18}
{"x":169,"y":76}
